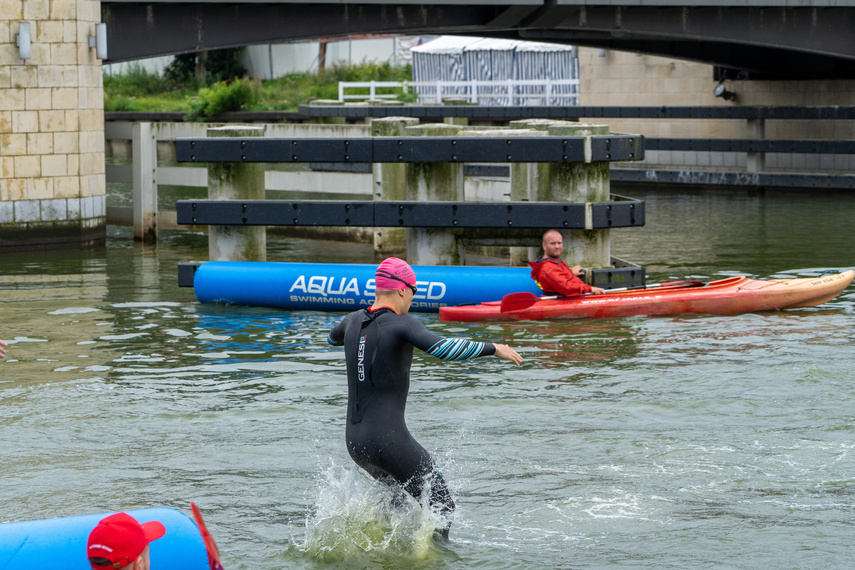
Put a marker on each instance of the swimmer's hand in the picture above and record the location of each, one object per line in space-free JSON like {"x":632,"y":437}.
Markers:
{"x":505,"y":352}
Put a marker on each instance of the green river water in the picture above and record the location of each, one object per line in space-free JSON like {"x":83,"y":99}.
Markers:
{"x":647,"y":442}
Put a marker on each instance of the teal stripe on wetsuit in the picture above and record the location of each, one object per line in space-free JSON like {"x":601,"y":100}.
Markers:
{"x":456,"y":349}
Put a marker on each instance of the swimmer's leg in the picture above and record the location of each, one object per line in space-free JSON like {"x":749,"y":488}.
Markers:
{"x":440,"y":497}
{"x":397,"y":495}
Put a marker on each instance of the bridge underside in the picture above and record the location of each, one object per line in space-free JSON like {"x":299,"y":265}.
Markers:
{"x":770,"y":42}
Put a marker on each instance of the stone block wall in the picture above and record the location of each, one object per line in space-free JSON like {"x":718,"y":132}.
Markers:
{"x":627,"y":79}
{"x":52,"y":183}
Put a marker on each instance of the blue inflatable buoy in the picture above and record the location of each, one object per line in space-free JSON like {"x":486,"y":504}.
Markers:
{"x":347,"y":287}
{"x":61,"y":542}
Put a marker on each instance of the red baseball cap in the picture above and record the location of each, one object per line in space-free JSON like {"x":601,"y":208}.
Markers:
{"x":119,"y":539}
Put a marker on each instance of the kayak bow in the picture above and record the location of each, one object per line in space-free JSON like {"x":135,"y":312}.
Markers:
{"x":730,"y":296}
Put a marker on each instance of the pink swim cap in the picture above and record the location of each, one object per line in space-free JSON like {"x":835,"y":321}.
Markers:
{"x":394,"y":273}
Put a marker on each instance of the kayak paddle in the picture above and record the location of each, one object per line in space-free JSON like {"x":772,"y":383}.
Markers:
{"x":519,"y":301}
{"x":210,"y":545}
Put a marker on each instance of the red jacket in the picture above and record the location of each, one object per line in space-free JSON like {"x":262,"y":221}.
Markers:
{"x":553,"y":276}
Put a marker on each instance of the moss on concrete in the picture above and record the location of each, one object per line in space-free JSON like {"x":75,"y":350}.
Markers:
{"x":37,"y":236}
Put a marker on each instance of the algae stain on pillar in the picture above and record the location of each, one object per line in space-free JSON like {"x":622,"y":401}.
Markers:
{"x":390,"y":184}
{"x":527,"y":178}
{"x":434,"y":182}
{"x":579,"y":182}
{"x":236,"y":181}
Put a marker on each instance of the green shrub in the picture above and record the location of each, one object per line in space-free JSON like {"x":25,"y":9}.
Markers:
{"x":221,"y":98}
{"x":118,"y":103}
{"x":216,"y":65}
{"x":224,"y":65}
{"x":134,"y":81}
{"x":179,"y":89}
{"x":182,"y":69}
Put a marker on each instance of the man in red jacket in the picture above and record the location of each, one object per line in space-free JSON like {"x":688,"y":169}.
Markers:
{"x":553,"y":276}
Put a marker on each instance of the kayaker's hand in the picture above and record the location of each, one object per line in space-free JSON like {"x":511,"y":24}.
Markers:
{"x":597,"y":290}
{"x":505,"y":352}
{"x":578,"y":270}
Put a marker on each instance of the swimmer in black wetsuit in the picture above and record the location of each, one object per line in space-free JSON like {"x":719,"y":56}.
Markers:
{"x":378,"y":344}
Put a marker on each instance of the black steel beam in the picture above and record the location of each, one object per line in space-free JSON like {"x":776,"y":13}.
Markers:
{"x":187,"y":273}
{"x":728,"y":35}
{"x":747,"y":179}
{"x":274,"y":150}
{"x":842,"y":112}
{"x":618,"y":277}
{"x":812,"y":39}
{"x":137,"y":30}
{"x":621,"y":214}
{"x":411,"y":149}
{"x":479,"y":215}
{"x":516,"y":215}
{"x":746,"y":145}
{"x":275,"y":213}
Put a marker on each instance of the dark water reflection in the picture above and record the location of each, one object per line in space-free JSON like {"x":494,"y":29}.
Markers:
{"x":641,"y":442}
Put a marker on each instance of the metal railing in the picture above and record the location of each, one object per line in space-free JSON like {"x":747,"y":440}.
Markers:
{"x":508,"y":92}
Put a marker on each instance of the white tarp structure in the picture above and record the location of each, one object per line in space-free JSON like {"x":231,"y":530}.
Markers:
{"x":496,"y":72}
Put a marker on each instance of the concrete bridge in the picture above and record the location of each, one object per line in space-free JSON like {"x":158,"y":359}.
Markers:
{"x":784,"y":39}
{"x":52,"y":151}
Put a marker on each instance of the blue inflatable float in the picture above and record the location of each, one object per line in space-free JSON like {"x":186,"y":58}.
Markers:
{"x":61,"y":543}
{"x":346,"y":287}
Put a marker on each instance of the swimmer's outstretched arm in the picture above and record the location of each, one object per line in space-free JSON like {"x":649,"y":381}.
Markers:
{"x":462,"y":349}
{"x":505,"y":352}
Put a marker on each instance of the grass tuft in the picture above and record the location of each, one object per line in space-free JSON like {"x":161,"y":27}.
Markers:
{"x":140,"y":90}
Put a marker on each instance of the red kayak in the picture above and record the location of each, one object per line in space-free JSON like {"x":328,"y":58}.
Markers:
{"x":729,"y":296}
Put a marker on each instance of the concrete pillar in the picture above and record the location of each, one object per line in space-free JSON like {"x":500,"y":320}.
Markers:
{"x":144,"y":148}
{"x":523,"y":175}
{"x":580,"y":182}
{"x":236,"y":181}
{"x":526,"y":179}
{"x":756,"y":161}
{"x":433,"y":182}
{"x":52,"y":181}
{"x":390,"y":184}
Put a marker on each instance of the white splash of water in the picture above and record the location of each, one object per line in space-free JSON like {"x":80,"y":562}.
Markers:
{"x":356,"y":516}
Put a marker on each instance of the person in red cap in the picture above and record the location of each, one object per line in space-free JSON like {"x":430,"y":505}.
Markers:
{"x":378,"y":347}
{"x":120,"y":542}
{"x":553,"y":275}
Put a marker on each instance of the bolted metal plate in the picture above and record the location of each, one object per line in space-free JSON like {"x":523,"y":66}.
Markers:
{"x":509,"y":215}
{"x":408,"y":149}
{"x":275,"y":213}
{"x":622,"y":214}
{"x":187,"y":272}
{"x":479,"y":149}
{"x":618,"y":277}
{"x":274,"y":150}
{"x":617,"y":147}
{"x":479,"y":215}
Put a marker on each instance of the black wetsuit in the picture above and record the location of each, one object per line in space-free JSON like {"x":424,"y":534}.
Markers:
{"x":378,"y":347}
